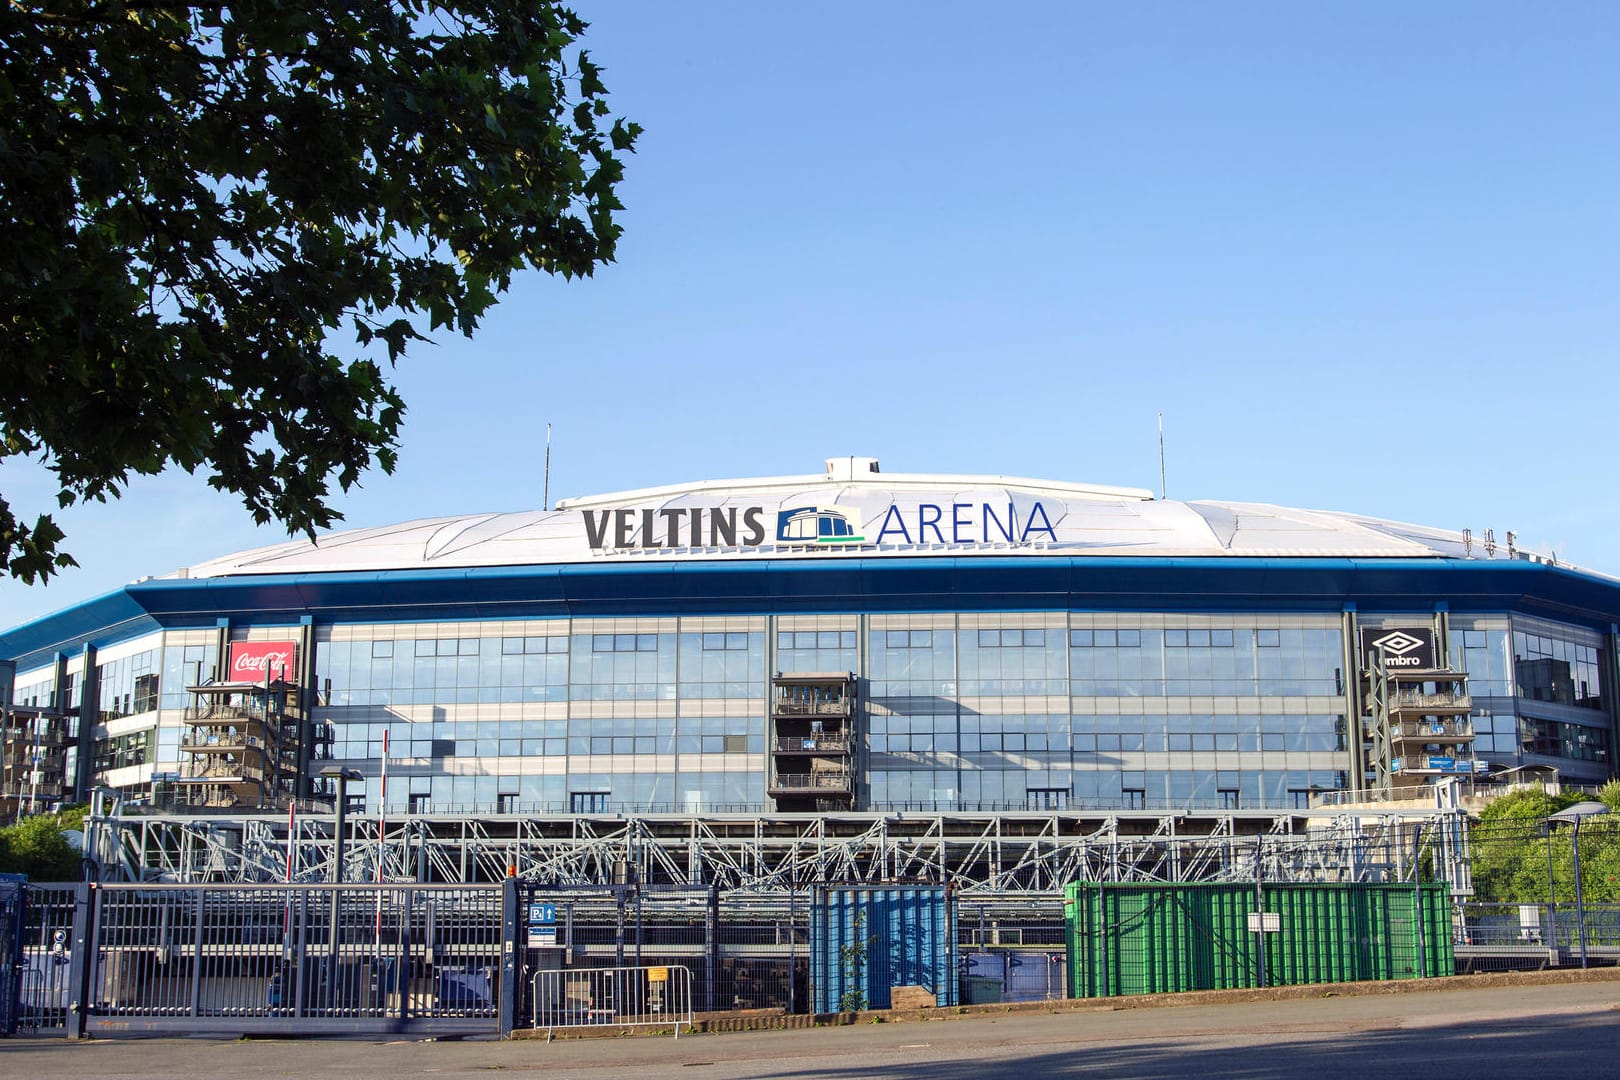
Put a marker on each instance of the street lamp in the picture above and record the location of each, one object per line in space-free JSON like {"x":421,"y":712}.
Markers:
{"x":1574,"y":814}
{"x":342,"y":775}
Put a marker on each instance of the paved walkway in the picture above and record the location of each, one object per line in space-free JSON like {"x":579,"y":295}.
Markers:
{"x":1481,"y":1034}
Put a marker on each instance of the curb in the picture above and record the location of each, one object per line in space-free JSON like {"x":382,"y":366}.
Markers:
{"x":775,"y":1020}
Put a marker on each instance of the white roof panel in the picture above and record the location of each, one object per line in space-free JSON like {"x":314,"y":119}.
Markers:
{"x":852,"y":511}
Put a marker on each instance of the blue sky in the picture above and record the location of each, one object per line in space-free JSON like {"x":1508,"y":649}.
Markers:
{"x":1361,"y":257}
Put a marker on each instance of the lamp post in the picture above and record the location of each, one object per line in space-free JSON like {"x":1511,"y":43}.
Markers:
{"x":342,"y":775}
{"x":1574,"y":814}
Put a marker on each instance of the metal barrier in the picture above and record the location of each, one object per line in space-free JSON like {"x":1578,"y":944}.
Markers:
{"x":613,"y":997}
{"x":295,"y":958}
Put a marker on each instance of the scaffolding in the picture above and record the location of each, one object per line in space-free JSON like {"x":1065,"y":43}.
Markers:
{"x":988,"y":855}
{"x":1419,"y":729}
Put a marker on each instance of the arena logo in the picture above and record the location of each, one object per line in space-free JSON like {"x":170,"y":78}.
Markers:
{"x":816,"y":525}
{"x":1410,"y":648}
{"x":256,"y":661}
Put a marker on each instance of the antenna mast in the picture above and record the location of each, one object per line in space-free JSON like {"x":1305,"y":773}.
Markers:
{"x":1161,"y":455}
{"x":545,"y":497}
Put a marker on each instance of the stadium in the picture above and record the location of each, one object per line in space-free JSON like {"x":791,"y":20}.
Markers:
{"x":882,"y":668}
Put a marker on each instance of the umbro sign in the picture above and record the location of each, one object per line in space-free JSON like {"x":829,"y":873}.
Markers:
{"x":1404,"y":648}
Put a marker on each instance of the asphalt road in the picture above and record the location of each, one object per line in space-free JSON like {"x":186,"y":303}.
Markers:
{"x":1542,"y":1031}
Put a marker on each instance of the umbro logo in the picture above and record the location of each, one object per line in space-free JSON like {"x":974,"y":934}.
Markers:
{"x":1399,"y":643}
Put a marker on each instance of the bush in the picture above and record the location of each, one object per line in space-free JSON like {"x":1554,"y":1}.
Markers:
{"x":36,"y":847}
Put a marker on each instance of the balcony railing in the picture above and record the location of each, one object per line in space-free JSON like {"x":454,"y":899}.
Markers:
{"x":231,"y":711}
{"x":1444,"y":700}
{"x":813,"y":744}
{"x":816,"y":781}
{"x":789,"y":707}
{"x":197,"y":743}
{"x":1440,"y":731}
{"x":227,"y":772}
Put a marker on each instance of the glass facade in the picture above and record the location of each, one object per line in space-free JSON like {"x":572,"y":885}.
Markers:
{"x":971,"y":711}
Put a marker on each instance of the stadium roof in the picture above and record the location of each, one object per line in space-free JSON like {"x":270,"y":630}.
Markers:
{"x":888,"y":515}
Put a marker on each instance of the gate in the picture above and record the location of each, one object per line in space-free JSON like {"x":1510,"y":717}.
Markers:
{"x":291,"y":959}
{"x":45,"y":959}
{"x":11,"y":952}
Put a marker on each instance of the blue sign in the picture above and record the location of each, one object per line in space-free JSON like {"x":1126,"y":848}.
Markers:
{"x":1444,"y":764}
{"x":542,"y":914}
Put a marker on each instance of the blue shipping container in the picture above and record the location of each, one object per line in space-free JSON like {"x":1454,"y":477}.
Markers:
{"x":866,"y":942}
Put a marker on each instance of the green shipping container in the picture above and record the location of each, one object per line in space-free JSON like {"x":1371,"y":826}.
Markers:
{"x":1132,"y":938}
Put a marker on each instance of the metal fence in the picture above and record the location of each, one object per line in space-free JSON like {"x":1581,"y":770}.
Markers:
{"x":658,"y":996}
{"x":1541,"y":893}
{"x":294,"y":958}
{"x":247,"y":958}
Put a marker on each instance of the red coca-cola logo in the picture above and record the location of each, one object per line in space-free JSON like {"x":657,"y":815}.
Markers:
{"x":254,"y":661}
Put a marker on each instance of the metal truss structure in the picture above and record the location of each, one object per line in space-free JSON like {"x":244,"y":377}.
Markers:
{"x":989,"y":855}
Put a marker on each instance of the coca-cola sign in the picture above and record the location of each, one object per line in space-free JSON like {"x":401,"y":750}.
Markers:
{"x":255,"y":661}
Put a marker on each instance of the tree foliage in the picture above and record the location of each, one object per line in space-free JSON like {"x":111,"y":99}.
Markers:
{"x":36,"y":847}
{"x":220,"y":225}
{"x":1521,"y":856}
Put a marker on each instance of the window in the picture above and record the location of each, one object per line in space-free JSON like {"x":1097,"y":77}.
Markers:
{"x":1105,"y":639}
{"x":531,"y":646}
{"x":146,"y":693}
{"x":1011,"y":639}
{"x":1135,"y":798}
{"x":1199,"y":639}
{"x":815,"y":639}
{"x":588,"y":802}
{"x":909,"y":639}
{"x":1268,"y":639}
{"x":624,"y":642}
{"x":1048,"y":798}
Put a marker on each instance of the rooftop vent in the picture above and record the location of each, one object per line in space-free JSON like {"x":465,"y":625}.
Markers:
{"x":851,"y":468}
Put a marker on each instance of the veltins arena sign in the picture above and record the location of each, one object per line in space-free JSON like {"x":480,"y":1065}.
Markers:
{"x":924,"y":524}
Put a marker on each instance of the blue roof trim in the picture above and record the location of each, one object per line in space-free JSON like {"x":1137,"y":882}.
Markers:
{"x":106,"y":620}
{"x":842,"y":585}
